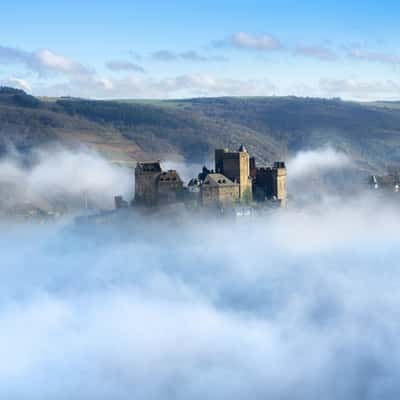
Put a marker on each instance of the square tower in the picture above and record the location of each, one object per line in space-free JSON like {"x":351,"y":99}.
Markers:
{"x":279,"y":178}
{"x":236,"y":166}
{"x":146,"y":179}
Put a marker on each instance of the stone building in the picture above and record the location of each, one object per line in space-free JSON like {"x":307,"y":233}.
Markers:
{"x":146,"y":182}
{"x":236,"y":179}
{"x":169,"y":187}
{"x":270,"y":182}
{"x":217,"y":189}
{"x":235,"y":165}
{"x":153,"y":186}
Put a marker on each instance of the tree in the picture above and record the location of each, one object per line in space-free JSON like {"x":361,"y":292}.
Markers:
{"x":247,"y":196}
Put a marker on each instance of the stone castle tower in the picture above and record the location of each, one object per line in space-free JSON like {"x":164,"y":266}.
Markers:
{"x":153,"y":186}
{"x":279,"y":180}
{"x":270,"y":182}
{"x":146,"y":177}
{"x":235,"y":165}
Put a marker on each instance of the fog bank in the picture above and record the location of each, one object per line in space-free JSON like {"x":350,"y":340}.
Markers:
{"x":297,"y":305}
{"x":59,"y":176}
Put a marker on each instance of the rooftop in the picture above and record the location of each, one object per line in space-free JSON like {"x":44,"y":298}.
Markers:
{"x":149,"y":166}
{"x":218,"y":180}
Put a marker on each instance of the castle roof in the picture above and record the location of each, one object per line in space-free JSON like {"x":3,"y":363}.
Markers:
{"x":217,"y":180}
{"x":150,"y":166}
{"x":170,"y":175}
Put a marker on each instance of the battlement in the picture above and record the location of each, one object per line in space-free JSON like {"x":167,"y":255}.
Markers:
{"x":148,"y":166}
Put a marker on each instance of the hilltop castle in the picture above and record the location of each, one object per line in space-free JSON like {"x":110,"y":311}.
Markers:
{"x":235,"y":179}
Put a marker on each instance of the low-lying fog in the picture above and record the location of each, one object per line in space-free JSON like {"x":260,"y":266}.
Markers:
{"x":301,"y":304}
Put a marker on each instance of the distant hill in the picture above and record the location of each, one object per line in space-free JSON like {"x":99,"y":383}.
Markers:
{"x":271,"y":127}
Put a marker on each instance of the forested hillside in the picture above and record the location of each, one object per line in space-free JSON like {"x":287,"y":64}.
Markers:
{"x":272,"y":127}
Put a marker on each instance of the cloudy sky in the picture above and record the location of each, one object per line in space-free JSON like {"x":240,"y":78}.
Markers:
{"x":169,"y":49}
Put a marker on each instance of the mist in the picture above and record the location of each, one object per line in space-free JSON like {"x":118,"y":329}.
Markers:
{"x":66,"y":177}
{"x":299,"y":304}
{"x":308,"y":162}
{"x":317,"y":175}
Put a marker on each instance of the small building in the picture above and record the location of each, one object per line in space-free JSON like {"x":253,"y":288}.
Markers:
{"x":217,"y":189}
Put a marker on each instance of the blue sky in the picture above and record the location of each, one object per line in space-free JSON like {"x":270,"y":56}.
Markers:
{"x":166,"y":49}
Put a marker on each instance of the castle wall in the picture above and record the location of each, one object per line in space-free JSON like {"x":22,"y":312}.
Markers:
{"x":271,"y":182}
{"x":214,"y":195}
{"x":146,"y":187}
{"x":264,"y":183}
{"x":170,"y":188}
{"x":156,"y":187}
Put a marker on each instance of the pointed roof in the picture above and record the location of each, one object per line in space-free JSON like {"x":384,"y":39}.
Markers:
{"x":217,"y":180}
{"x":242,"y":148}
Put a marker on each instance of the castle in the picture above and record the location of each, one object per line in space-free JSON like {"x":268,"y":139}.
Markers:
{"x":235,"y":179}
{"x":153,"y":186}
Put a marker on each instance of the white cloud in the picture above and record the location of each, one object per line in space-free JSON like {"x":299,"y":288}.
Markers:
{"x":18,"y":83}
{"x":107,"y":83}
{"x":56,"y":62}
{"x":316,"y":52}
{"x":187,"y":85}
{"x":373,"y":56}
{"x":245,"y":40}
{"x":360,"y":89}
{"x":190,"y":55}
{"x":42,"y":61}
{"x":120,"y":65}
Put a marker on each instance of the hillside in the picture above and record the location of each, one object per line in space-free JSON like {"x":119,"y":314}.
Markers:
{"x":271,"y":127}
